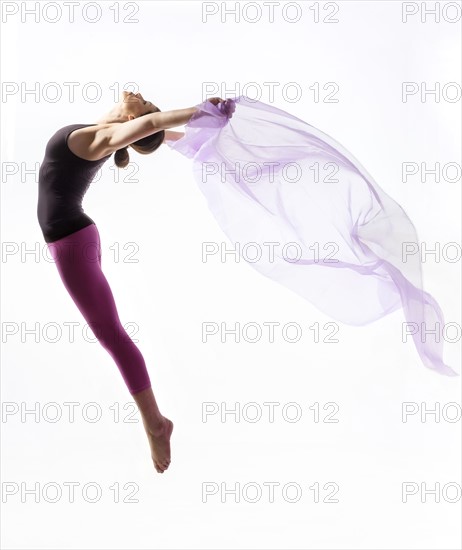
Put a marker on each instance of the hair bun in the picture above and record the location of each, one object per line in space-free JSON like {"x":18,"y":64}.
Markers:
{"x":121,"y":157}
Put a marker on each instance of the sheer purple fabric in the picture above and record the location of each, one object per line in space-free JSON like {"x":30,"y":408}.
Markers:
{"x":319,"y":223}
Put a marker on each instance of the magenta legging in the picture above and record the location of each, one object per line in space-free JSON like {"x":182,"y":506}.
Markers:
{"x":78,"y":259}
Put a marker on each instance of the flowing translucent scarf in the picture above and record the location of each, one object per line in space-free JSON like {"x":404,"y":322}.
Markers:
{"x":313,"y":217}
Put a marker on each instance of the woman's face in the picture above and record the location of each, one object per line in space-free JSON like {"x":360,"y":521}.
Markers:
{"x":134,"y":105}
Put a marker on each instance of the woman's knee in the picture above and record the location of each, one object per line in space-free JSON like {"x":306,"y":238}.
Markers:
{"x":111,"y":335}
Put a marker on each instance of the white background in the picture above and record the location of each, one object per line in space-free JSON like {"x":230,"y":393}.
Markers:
{"x":369,"y":453}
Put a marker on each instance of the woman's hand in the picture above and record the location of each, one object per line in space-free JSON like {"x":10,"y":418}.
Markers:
{"x":228,"y":107}
{"x":215,"y":100}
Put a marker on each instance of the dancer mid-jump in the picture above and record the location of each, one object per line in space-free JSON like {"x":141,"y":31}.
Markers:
{"x":73,"y":155}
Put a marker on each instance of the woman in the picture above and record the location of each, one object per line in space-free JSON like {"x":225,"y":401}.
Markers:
{"x":73,"y":155}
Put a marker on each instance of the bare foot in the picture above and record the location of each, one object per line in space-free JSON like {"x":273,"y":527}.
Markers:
{"x":159,"y":441}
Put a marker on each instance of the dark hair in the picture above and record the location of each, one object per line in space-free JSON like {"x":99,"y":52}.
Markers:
{"x":144,"y":146}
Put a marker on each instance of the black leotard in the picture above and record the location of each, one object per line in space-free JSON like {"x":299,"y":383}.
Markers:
{"x":63,"y":181}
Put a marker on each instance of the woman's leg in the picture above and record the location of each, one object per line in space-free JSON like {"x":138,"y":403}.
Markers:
{"x":78,"y":259}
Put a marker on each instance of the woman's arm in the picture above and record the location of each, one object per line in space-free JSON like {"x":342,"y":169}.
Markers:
{"x":116,"y":136}
{"x":172,"y":136}
{"x":95,"y":142}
